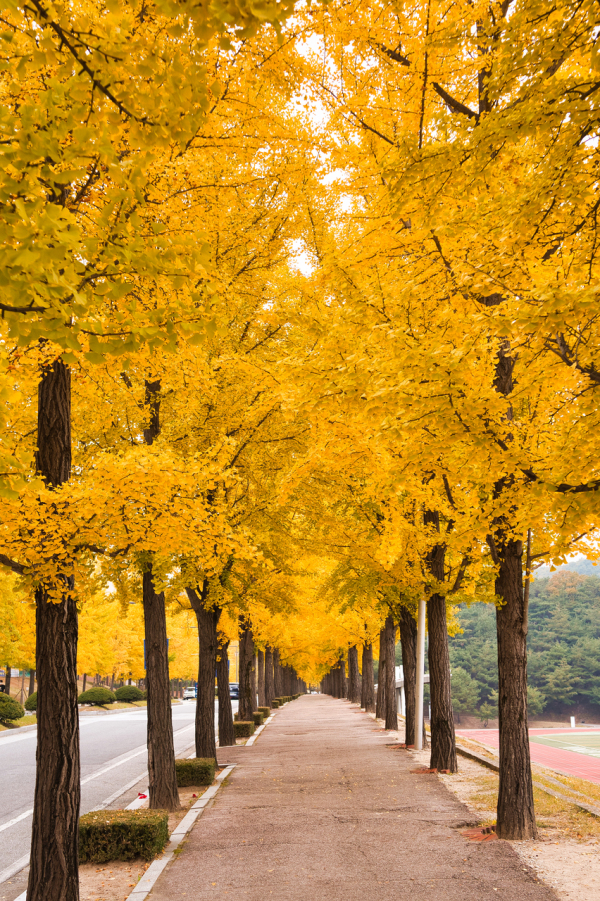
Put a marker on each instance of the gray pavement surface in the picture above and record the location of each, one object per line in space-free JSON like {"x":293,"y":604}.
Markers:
{"x":113,"y":770}
{"x":319,"y":809}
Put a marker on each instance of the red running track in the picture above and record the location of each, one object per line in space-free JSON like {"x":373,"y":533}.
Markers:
{"x":570,"y":763}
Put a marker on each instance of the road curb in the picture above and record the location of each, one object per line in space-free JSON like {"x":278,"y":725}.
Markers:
{"x":148,"y":880}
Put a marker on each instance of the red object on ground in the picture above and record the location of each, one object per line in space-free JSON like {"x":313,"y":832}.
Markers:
{"x":481,"y":834}
{"x":570,"y":763}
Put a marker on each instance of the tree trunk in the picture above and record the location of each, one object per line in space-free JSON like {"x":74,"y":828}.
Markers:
{"x":353,"y":676}
{"x":54,"y":864}
{"x":31,"y":682}
{"x":516,"y":814}
{"x":226,"y":730}
{"x":408,"y":638}
{"x":277,"y":674}
{"x":443,"y":741}
{"x":391,"y":704}
{"x":255,"y":682}
{"x":162,"y":778}
{"x":262,"y":695}
{"x":380,"y":707}
{"x":207,"y":619}
{"x":247,"y":701}
{"x":368,"y":679}
{"x":269,"y":679}
{"x":7,"y":680}
{"x":163,"y":794}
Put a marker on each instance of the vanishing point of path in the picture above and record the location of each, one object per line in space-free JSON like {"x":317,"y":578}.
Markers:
{"x":319,"y":809}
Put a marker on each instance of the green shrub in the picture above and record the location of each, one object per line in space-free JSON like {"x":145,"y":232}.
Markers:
{"x":31,"y":702}
{"x":281,"y":701}
{"x":275,"y":704}
{"x":243,"y":729}
{"x":129,"y":693}
{"x":98,"y":695}
{"x":197,"y":771}
{"x":266,"y":711}
{"x":258,"y":717}
{"x":10,"y":709}
{"x":122,"y":835}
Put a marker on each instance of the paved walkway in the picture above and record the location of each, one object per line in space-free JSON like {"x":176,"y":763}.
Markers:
{"x":319,"y":809}
{"x":583,"y":763}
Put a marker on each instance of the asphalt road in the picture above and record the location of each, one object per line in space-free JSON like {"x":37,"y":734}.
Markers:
{"x":113,"y":760}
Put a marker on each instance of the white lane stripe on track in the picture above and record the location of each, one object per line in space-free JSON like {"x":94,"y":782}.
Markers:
{"x":141,"y":750}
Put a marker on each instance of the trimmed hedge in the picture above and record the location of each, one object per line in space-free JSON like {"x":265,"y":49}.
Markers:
{"x":129,"y":693}
{"x":243,"y":729}
{"x":98,"y":695}
{"x":258,"y":717}
{"x":10,"y":709}
{"x":122,"y":835}
{"x":195,"y":771}
{"x":266,"y":711}
{"x":275,"y":703}
{"x":31,"y":702}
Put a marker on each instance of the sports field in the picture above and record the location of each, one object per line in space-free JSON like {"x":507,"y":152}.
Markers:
{"x":575,"y":752}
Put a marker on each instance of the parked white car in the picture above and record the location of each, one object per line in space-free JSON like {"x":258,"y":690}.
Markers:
{"x":190,"y":694}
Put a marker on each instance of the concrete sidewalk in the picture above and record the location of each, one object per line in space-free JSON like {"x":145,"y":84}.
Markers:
{"x":319,"y":809}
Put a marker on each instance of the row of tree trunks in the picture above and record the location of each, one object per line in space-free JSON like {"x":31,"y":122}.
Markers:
{"x":226,"y":728}
{"x":367,"y":699}
{"x":353,"y":676}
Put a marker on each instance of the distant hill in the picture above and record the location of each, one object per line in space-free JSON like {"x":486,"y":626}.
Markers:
{"x":563,"y":642}
{"x":583,"y":567}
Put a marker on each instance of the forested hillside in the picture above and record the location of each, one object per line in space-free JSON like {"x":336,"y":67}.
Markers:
{"x":563,"y":642}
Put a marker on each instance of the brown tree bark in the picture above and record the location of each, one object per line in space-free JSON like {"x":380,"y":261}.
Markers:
{"x":54,"y":863}
{"x":391,"y":704}
{"x":443,"y":740}
{"x":408,"y":638}
{"x":516,"y":813}
{"x":247,"y":702}
{"x":226,"y":729}
{"x":343,"y":684}
{"x":255,"y":681}
{"x":269,"y":678}
{"x":380,"y":704}
{"x":207,"y":619}
{"x":163,"y":794}
{"x":277,"y":674}
{"x":32,"y":682}
{"x":353,"y":675}
{"x":367,"y":699}
{"x":262,"y":697}
{"x":162,"y":779}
